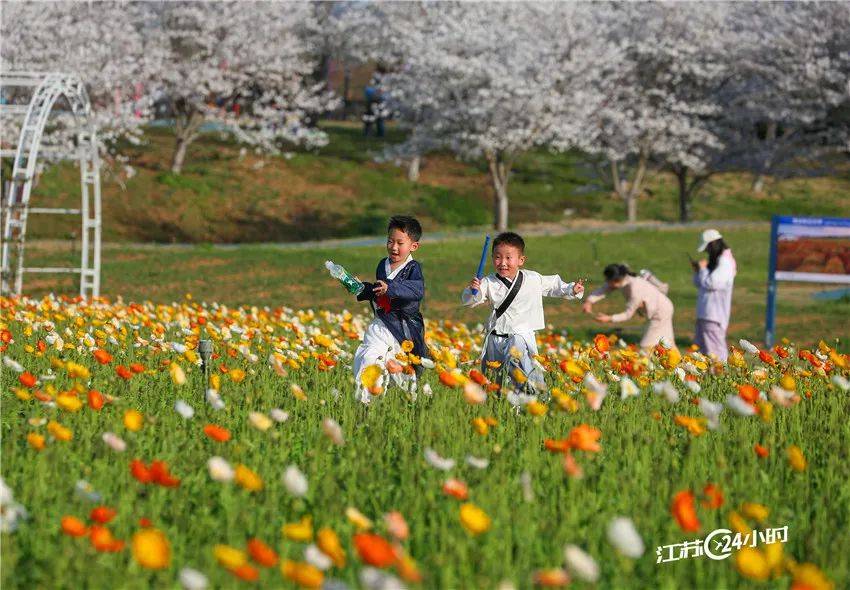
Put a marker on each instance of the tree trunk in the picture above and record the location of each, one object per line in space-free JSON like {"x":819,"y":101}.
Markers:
{"x":758,"y":181}
{"x":684,"y":206}
{"x":186,"y":126}
{"x":413,"y":169}
{"x":629,"y":192}
{"x":179,"y":155}
{"x":500,"y":168}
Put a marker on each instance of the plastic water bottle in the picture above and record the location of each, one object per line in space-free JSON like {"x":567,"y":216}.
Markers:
{"x":351,"y":284}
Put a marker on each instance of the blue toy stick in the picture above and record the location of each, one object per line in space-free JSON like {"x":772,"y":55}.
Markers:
{"x":482,"y":263}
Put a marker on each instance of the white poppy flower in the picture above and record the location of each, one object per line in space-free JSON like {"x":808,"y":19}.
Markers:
{"x":314,"y":556}
{"x":739,"y":406}
{"x":623,"y":535}
{"x":115,"y":442}
{"x":192,"y":579}
{"x":668,"y":390}
{"x":279,"y":415}
{"x":748,"y":346}
{"x":841,"y":382}
{"x":13,"y":364}
{"x":477,"y":462}
{"x":581,"y":563}
{"x":184,"y":409}
{"x":295,"y":481}
{"x":220,"y":469}
{"x":435,"y":460}
{"x":628,"y":388}
{"x":711,"y":410}
{"x":333,"y":431}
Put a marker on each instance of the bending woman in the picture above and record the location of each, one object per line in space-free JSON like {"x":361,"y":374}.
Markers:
{"x":714,"y":279}
{"x":641,"y":296}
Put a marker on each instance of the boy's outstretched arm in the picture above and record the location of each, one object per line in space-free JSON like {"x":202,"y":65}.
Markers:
{"x":469,"y":299}
{"x":410,"y":289}
{"x":553,"y":286}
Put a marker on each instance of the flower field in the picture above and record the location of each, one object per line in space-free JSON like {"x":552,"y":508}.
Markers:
{"x":123,"y":468}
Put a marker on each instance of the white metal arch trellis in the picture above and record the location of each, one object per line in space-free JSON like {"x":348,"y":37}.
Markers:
{"x":50,"y":87}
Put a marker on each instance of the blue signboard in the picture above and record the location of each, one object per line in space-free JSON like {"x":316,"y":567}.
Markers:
{"x":807,"y":249}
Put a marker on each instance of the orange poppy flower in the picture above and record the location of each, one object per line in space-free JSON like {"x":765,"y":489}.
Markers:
{"x":137,"y":368}
{"x":123,"y":372}
{"x":74,"y":527}
{"x":27,"y":379}
{"x":102,"y":540}
{"x":684,"y":511}
{"x":217,"y":433}
{"x":456,"y":489}
{"x":761,"y":451}
{"x":478,"y":377}
{"x":448,"y":379}
{"x":160,"y":475}
{"x":551,"y":578}
{"x":95,"y":399}
{"x":102,"y":514}
{"x":585,"y":438}
{"x":767,"y":358}
{"x":262,"y":553}
{"x":103,"y":357}
{"x":601,"y":343}
{"x":140,"y":471}
{"x":748,"y":393}
{"x":246,"y":572}
{"x":557,"y":446}
{"x":374,"y":550}
{"x":713,"y":496}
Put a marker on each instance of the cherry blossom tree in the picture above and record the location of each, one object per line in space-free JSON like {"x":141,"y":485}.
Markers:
{"x":245,"y":66}
{"x":101,"y":42}
{"x":491,"y":81}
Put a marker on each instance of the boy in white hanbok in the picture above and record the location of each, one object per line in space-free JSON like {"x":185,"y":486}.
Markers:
{"x":517,"y":299}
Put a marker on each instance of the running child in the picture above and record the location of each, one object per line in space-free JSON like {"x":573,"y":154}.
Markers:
{"x":517,"y":299}
{"x":395,"y":297}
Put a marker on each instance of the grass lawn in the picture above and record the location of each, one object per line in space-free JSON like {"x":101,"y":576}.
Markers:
{"x":265,"y":275}
{"x":339,"y":190}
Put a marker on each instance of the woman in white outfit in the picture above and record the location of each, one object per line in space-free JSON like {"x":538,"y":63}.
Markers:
{"x":714,"y":279}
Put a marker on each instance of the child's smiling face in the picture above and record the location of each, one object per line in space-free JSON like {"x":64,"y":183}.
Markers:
{"x":507,"y":260}
{"x":399,"y":246}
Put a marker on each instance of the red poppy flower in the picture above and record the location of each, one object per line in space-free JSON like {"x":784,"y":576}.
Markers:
{"x":103,"y":357}
{"x":761,"y":451}
{"x":685,"y":512}
{"x":27,"y":379}
{"x":262,"y":553}
{"x":713,"y":496}
{"x":140,"y":471}
{"x":374,"y":550}
{"x":217,"y":433}
{"x":95,"y":399}
{"x":123,"y":372}
{"x":137,"y":368}
{"x":102,"y":514}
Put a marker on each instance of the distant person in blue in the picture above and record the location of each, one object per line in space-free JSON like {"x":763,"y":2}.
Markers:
{"x":714,"y":279}
{"x":395,"y":297}
{"x":375,"y":107}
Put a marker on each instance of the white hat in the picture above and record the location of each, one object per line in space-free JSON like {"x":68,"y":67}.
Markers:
{"x":708,"y":236}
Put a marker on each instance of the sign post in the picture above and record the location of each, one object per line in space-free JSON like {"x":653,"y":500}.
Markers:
{"x":805,"y":249}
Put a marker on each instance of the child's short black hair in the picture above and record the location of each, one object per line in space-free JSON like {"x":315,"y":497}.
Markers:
{"x":511,"y":239}
{"x":615,"y":272}
{"x":408,"y":225}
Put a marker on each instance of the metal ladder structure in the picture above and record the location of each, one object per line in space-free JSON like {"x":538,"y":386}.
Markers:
{"x":49,"y":87}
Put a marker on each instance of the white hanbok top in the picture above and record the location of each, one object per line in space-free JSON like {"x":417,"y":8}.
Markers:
{"x":525,"y":314}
